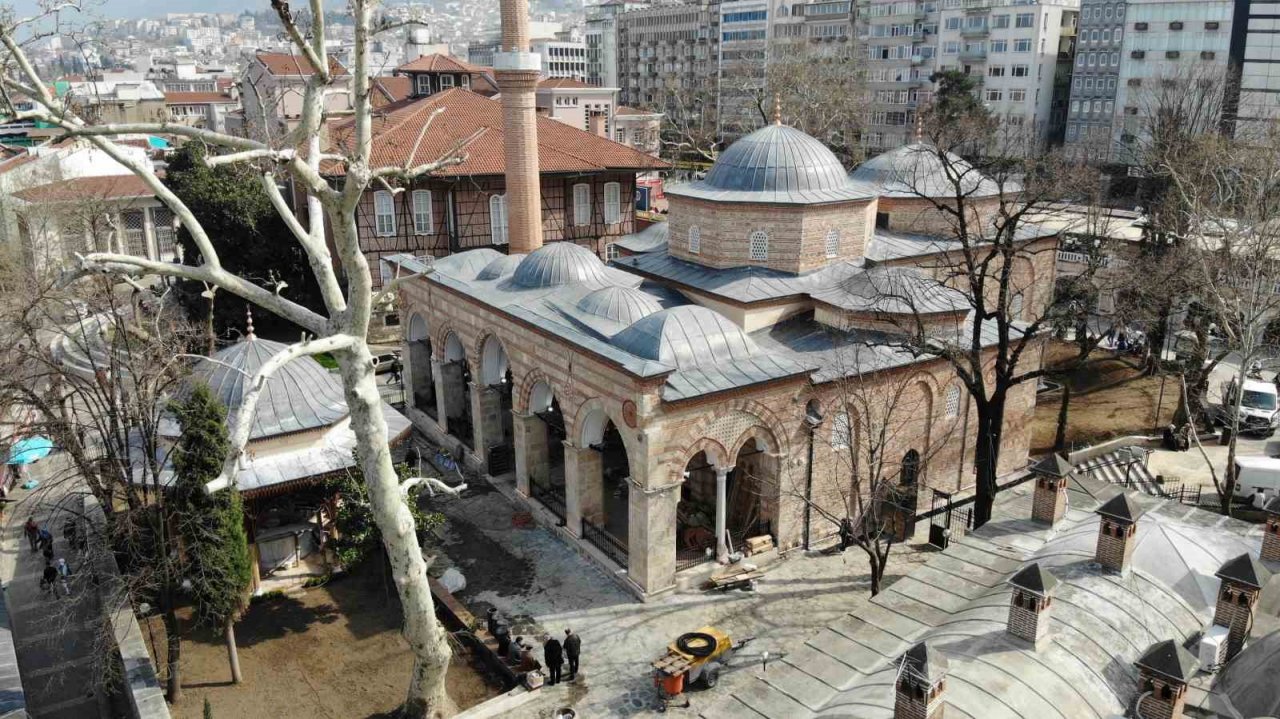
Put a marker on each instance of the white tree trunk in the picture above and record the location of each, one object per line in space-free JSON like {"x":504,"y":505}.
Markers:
{"x":427,"y":697}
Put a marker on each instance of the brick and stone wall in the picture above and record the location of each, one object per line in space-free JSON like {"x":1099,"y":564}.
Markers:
{"x":913,"y":702}
{"x":1028,"y":616}
{"x":1271,"y":540}
{"x":921,"y":216}
{"x":1049,"y":502}
{"x":1235,"y":610}
{"x":1165,"y":701}
{"x":1115,"y":544}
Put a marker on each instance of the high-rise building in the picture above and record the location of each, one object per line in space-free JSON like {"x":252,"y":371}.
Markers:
{"x":669,"y":49}
{"x":1095,"y":78}
{"x":562,"y":58}
{"x":1255,"y":52}
{"x":601,"y":37}
{"x":901,"y":39}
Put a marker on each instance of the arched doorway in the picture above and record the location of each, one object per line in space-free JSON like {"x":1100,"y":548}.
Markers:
{"x":603,"y":484}
{"x":496,"y":428}
{"x":696,"y":513}
{"x":546,"y":458}
{"x":456,"y":380}
{"x":750,"y":493}
{"x":422,"y":388}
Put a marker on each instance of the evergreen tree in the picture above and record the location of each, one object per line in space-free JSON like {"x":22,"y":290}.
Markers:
{"x":216,"y":547}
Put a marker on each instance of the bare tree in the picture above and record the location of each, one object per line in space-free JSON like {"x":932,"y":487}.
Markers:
{"x":690,"y":122}
{"x":342,"y":328}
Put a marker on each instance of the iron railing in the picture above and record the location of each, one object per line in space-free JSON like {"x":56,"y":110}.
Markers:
{"x":502,"y":459}
{"x":691,"y":557}
{"x":550,"y":497}
{"x":613,"y":548}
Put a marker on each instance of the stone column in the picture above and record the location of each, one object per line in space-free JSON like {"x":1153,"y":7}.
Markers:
{"x":531,"y":451}
{"x":722,"y":510}
{"x":583,"y":487}
{"x":438,"y":381}
{"x":651,"y":561}
{"x":449,"y":391}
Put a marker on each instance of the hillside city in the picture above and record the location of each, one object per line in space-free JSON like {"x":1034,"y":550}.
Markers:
{"x":733,"y":359}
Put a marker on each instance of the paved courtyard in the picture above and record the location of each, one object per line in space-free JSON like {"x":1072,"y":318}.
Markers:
{"x":544,"y":586}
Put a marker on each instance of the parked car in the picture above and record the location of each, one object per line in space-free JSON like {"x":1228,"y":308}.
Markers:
{"x":1257,"y":474}
{"x":386,"y":362}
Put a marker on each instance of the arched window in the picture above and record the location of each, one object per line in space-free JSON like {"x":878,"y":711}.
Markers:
{"x":384,"y":214}
{"x":910,"y":468}
{"x":498,"y":219}
{"x":695,"y":240}
{"x":953,"y":401}
{"x":833,"y":243}
{"x":759,"y":245}
{"x":841,"y":431}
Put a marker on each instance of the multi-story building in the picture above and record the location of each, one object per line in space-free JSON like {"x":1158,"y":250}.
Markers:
{"x":116,"y":101}
{"x":1095,"y":79}
{"x":669,"y":49}
{"x":742,"y":67}
{"x":576,"y":103}
{"x":561,"y":58}
{"x":900,"y":37}
{"x":1167,"y":43}
{"x":1016,"y":49}
{"x":601,"y":37}
{"x":273,"y":86}
{"x":1256,"y":55}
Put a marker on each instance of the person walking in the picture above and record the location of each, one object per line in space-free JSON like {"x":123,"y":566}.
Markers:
{"x":64,"y":575}
{"x":553,"y":655}
{"x":572,"y":649}
{"x":49,"y":578}
{"x":32,"y":531}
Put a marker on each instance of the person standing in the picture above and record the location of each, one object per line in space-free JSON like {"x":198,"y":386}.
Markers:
{"x":572,"y":649}
{"x":33,"y":533}
{"x":553,"y":655}
{"x":49,"y":578}
{"x":64,"y":575}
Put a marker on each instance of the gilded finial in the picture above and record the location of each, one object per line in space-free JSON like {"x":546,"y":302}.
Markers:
{"x":919,"y":125}
{"x":777,"y":108}
{"x":248,"y":324}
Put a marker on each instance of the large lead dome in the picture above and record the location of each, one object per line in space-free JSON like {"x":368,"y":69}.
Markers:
{"x":776,"y":164}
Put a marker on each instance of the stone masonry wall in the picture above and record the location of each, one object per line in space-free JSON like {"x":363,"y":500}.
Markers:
{"x":1114,"y":552}
{"x":1271,"y":540}
{"x":1229,"y":612}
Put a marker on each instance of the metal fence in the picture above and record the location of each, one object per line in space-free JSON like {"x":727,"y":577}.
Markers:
{"x":550,"y":498}
{"x":502,"y":459}
{"x":605,"y":542}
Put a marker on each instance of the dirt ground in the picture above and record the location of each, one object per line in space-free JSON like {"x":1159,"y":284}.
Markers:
{"x":1099,"y":412}
{"x":332,"y":651}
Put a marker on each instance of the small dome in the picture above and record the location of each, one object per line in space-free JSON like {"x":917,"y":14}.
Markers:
{"x":624,"y":305}
{"x":686,"y":336}
{"x":466,"y":265}
{"x":777,"y":164}
{"x":500,"y":267}
{"x":558,"y":263}
{"x":299,"y":396}
{"x":915,"y":170}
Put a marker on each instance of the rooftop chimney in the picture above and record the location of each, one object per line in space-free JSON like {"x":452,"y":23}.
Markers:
{"x":1117,"y":532}
{"x":1163,"y":673}
{"x":922,"y":679}
{"x":1271,"y":538}
{"x":517,"y":72}
{"x":1242,"y":582}
{"x":1030,"y":604}
{"x":1049,"y":503}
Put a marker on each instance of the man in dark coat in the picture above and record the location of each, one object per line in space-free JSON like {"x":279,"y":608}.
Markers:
{"x":553,"y":656}
{"x":572,"y":648}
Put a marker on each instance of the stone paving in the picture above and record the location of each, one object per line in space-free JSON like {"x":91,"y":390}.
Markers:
{"x":55,"y":636}
{"x":545,"y":586}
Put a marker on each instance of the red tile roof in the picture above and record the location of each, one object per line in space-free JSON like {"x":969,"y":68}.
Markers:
{"x":562,"y":83}
{"x":197,"y":98}
{"x":473,"y":125}
{"x":392,"y":89}
{"x":281,"y":63}
{"x":107,"y":187}
{"x":627,"y":110}
{"x":15,"y":162}
{"x":436,"y":62}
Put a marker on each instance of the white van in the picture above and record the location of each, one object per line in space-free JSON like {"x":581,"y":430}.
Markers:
{"x":1254,"y":473}
{"x":1259,"y":407}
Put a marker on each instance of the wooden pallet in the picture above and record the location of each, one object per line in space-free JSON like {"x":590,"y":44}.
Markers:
{"x":673,"y":664}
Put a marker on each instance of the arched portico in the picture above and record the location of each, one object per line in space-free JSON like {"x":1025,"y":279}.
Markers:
{"x":421,"y":378}
{"x":598,"y":483}
{"x":540,"y":448}
{"x":723,"y":501}
{"x":453,"y":390}
{"x":491,"y":401}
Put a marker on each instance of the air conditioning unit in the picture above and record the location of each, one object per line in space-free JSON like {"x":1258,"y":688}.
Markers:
{"x":1212,"y":650}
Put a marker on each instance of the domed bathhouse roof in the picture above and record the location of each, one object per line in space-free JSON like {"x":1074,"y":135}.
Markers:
{"x":915,"y":170}
{"x":558,"y":263}
{"x":686,"y":336}
{"x":776,"y":164}
{"x":624,"y":305}
{"x":500,"y":267}
{"x":299,"y":396}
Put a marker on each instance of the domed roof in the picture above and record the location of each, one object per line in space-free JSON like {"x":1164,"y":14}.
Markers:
{"x":776,"y":164}
{"x":500,"y":267}
{"x":915,"y":170}
{"x":686,"y":336}
{"x":299,"y":396}
{"x":624,"y":305}
{"x":558,"y":263}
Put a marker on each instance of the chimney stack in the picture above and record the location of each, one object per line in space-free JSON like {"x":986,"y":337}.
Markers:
{"x":1271,"y":537}
{"x":1242,"y":581}
{"x":1049,"y":503}
{"x":922,"y":680}
{"x":1117,"y":532}
{"x":517,"y":71}
{"x":1163,"y":673}
{"x":1030,"y":604}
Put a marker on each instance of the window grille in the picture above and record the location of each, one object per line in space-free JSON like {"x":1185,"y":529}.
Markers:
{"x":759,"y":245}
{"x":833,"y":243}
{"x":695,"y":240}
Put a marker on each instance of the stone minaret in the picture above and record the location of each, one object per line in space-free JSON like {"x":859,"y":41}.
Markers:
{"x":517,"y":71}
{"x":1271,"y":539}
{"x":1117,"y":532}
{"x":1030,"y":604}
{"x":922,"y":680}
{"x":1242,"y":581}
{"x":1163,"y":673}
{"x":1049,"y":503}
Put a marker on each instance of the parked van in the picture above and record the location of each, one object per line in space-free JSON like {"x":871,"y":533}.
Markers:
{"x":1259,"y":407}
{"x":1254,"y":473}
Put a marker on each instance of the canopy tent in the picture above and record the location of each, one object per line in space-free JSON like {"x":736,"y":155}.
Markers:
{"x":30,"y":450}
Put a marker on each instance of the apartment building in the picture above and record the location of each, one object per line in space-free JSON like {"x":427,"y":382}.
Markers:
{"x":667,"y":49}
{"x":561,"y":58}
{"x":900,"y":37}
{"x":1255,"y":52}
{"x":1022,"y":52}
{"x":1165,"y":41}
{"x":744,"y":50}
{"x":601,"y":39}
{"x":1095,"y":79}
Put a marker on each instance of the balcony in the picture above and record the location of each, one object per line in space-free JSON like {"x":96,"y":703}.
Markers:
{"x":1069,"y":31}
{"x":917,"y":59}
{"x":974,"y":55}
{"x":983,"y":31}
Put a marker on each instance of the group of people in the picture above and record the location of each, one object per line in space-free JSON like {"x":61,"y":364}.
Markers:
{"x":520,"y":653}
{"x":57,"y":574}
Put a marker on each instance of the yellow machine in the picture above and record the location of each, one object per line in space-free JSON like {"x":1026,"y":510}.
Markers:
{"x":693,"y":657}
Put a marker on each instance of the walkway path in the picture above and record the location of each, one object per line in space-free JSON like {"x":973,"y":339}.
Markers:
{"x":57,"y":638}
